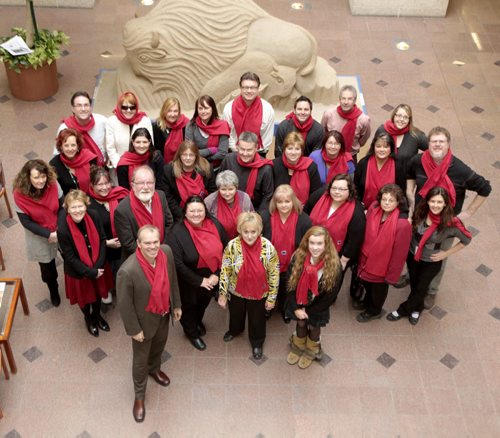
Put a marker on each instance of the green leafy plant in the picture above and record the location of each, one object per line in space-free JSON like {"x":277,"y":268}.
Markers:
{"x":46,"y":44}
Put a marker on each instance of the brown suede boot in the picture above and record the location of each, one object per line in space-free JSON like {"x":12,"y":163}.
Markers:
{"x":312,"y":352}
{"x":297,"y":347}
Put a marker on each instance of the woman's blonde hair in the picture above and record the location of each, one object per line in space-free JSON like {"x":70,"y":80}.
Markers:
{"x":75,"y":195}
{"x":285,"y":190}
{"x":331,"y":268}
{"x":249,"y":217}
{"x":201,"y":165}
{"x":169,"y":103}
{"x":294,"y":138}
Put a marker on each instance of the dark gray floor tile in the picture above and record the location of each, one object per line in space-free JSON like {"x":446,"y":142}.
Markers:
{"x":32,"y":354}
{"x":449,"y":361}
{"x":386,"y":360}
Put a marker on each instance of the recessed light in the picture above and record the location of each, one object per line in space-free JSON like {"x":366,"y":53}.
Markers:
{"x":402,"y":45}
{"x":297,"y":5}
{"x":459,"y":63}
{"x":147,"y":2}
{"x":477,"y":41}
{"x":106,"y":54}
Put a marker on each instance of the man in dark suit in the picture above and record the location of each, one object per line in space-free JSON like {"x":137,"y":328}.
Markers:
{"x":148,"y":292}
{"x":143,"y":206}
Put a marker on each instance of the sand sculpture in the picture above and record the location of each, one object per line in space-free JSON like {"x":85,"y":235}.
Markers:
{"x":186,"y":48}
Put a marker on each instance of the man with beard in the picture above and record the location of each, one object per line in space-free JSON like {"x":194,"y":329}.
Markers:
{"x":148,"y":294}
{"x":143,"y":206}
{"x":349,"y":120}
{"x":90,"y":125}
{"x":439,"y":167}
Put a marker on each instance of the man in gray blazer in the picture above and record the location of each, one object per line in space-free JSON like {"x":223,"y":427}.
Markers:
{"x":148,"y":292}
{"x":127,"y":223}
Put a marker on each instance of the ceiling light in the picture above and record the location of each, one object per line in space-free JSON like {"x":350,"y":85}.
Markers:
{"x":297,"y":5}
{"x":459,"y":63}
{"x":402,"y":45}
{"x":147,"y":2}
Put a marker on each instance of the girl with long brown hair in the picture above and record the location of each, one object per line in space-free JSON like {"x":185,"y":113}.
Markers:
{"x":313,"y":275}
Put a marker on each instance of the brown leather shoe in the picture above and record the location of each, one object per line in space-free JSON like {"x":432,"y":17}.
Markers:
{"x":139,"y":410}
{"x":161,"y":378}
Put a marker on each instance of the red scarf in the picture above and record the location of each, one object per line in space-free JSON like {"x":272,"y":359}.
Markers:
{"x":304,"y":128}
{"x":376,"y":179}
{"x":133,"y":160}
{"x":336,"y":165}
{"x":112,"y":198}
{"x":308,"y":280}
{"x":437,"y":176}
{"x":252,"y":277}
{"x":337,"y":223}
{"x":175,"y":138}
{"x":144,"y":217}
{"x":248,"y":118}
{"x":300,"y":181}
{"x":391,"y":129}
{"x":214,"y":130}
{"x":88,"y":141}
{"x":435,"y":221}
{"x":79,"y":240}
{"x":137,"y":116}
{"x":188,"y":186}
{"x":80,"y":164}
{"x":283,"y":237}
{"x":349,"y":129}
{"x":157,"y":277}
{"x":227,"y":215}
{"x":254,"y":166}
{"x":379,"y":240}
{"x":207,"y":243}
{"x":42,"y":211}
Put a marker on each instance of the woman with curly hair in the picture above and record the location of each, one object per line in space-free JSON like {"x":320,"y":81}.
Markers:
{"x":38,"y":198}
{"x":433,"y":223}
{"x":313,"y":274}
{"x":72,"y":164}
{"x":187,"y":175}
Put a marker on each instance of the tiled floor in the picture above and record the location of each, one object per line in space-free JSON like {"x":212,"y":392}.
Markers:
{"x":440,"y":378}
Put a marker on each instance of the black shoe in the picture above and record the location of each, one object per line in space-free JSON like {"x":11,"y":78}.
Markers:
{"x":55,"y":300}
{"x":202,"y":329}
{"x":198,"y":343}
{"x":92,"y":328}
{"x":268,"y":314}
{"x":102,"y":324}
{"x":228,"y":337}
{"x":257,"y":353}
{"x":366,"y":317}
{"x":393,"y":316}
{"x":414,"y":318}
{"x":286,"y":319}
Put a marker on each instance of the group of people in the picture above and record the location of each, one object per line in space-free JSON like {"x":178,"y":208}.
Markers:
{"x":175,"y":212}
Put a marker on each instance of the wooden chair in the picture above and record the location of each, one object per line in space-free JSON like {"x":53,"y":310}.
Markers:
{"x":3,"y":190}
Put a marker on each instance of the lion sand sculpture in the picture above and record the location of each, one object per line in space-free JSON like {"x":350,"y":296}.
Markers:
{"x":186,"y":48}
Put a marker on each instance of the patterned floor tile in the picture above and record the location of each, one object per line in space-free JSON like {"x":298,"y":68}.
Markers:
{"x":484,"y":270}
{"x":495,"y":313}
{"x":335,"y":60}
{"x":165,"y":356}
{"x":417,"y":61}
{"x":382,"y":83}
{"x":4,"y":98}
{"x":31,"y":155}
{"x":487,"y":136}
{"x":376,"y":61}
{"x":9,"y":222}
{"x":449,"y":361}
{"x":386,"y":360}
{"x":438,"y":313}
{"x":97,"y":355}
{"x":40,"y":126}
{"x":44,"y":305}
{"x":425,"y":84}
{"x":467,"y":85}
{"x":477,"y":109}
{"x":32,"y":354}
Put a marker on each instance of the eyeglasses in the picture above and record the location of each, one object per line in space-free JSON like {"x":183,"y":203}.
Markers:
{"x":338,"y":189}
{"x":249,"y":88}
{"x":402,"y":117}
{"x":143,"y":183}
{"x":128,"y":108}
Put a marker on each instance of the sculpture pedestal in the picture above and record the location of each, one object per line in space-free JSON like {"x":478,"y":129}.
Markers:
{"x":400,"y":8}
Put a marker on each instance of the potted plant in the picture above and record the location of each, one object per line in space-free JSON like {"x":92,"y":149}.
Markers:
{"x":33,"y":76}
